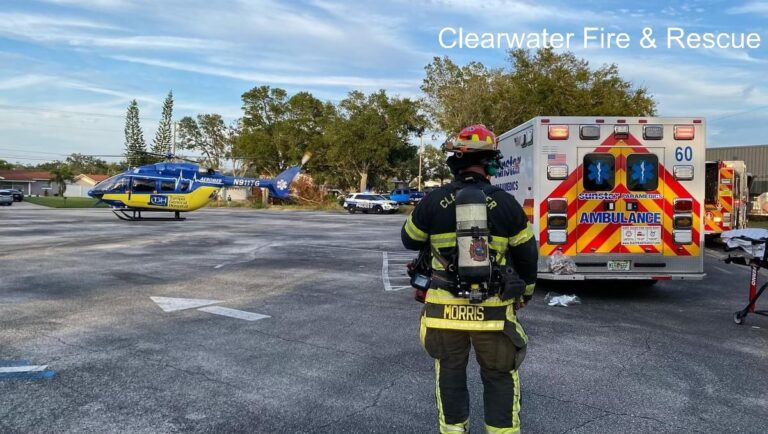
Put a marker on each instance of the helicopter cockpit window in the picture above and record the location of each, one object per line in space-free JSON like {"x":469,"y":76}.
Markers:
{"x":114,"y":185}
{"x":167,"y":186}
{"x":143,"y":185}
{"x":184,"y":185}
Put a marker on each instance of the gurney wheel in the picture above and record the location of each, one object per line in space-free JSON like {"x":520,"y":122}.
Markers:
{"x":738,"y":318}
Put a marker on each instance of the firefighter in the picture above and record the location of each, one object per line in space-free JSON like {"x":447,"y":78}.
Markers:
{"x":451,"y":322}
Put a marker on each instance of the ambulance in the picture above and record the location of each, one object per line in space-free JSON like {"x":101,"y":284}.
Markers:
{"x":615,"y":197}
{"x":726,"y":197}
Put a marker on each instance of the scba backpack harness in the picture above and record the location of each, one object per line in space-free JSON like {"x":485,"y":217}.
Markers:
{"x":471,"y":271}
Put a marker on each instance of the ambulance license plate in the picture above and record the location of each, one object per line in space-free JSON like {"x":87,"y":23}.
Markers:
{"x":619,"y":265}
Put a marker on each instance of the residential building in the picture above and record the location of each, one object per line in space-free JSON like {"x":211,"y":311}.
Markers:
{"x":30,"y":182}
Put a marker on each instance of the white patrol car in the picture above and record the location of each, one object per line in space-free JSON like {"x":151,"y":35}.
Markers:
{"x":369,"y":202}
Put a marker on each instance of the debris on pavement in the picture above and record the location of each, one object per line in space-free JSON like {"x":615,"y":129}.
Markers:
{"x":555,"y":299}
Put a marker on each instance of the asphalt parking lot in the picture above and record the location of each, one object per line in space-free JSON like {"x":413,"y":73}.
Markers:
{"x":307,"y":326}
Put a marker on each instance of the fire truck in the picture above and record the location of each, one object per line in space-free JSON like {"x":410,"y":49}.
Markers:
{"x":616,"y":197}
{"x":726,"y":197}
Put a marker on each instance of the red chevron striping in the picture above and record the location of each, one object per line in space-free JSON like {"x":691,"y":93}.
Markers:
{"x":600,"y":238}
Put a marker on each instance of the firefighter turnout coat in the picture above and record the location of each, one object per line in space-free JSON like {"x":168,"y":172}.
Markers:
{"x":450,"y":324}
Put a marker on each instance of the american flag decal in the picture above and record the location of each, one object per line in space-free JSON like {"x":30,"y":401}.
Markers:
{"x":556,"y":158}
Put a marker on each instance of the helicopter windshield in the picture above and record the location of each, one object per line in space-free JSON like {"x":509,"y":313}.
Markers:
{"x":116,"y":183}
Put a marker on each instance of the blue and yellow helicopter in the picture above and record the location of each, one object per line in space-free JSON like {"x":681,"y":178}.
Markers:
{"x":177,"y":187}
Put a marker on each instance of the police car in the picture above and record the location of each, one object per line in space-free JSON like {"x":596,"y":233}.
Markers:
{"x":369,"y":202}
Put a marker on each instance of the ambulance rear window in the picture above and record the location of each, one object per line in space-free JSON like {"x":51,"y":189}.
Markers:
{"x":599,"y":172}
{"x":643,"y":172}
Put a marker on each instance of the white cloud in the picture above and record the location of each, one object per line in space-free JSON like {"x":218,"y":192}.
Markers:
{"x":740,"y":55}
{"x":520,"y":11}
{"x":24,"y":23}
{"x":685,"y":87}
{"x":151,"y":42}
{"x":24,"y":81}
{"x":755,"y":7}
{"x":108,"y":4}
{"x":122,"y":96}
{"x":254,"y":76}
{"x":82,"y":32}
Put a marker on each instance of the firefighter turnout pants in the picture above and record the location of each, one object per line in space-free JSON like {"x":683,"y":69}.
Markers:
{"x":449,"y":328}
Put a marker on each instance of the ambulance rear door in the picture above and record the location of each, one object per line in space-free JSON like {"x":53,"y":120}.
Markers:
{"x":620,"y":203}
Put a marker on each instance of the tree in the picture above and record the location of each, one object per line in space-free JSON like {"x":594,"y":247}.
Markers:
{"x":5,"y":165}
{"x":564,"y":85}
{"x":46,"y":166}
{"x":79,"y":163}
{"x":435,"y":167}
{"x":459,"y":96}
{"x":60,"y":175}
{"x":135,"y":147}
{"x":276,"y":130}
{"x":164,"y":135}
{"x":370,"y":135}
{"x":541,"y":83}
{"x":207,"y":134}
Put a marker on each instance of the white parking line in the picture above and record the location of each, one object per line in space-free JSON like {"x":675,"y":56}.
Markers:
{"x":385,"y":271}
{"x":233,"y":313}
{"x":721,"y":269}
{"x":400,"y":288}
{"x":715,"y":255}
{"x":18,"y":369}
{"x":392,"y":262}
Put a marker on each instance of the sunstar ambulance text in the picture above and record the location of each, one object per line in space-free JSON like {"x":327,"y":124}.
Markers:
{"x":598,"y":37}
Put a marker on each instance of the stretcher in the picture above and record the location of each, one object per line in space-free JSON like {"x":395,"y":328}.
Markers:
{"x":753,"y":242}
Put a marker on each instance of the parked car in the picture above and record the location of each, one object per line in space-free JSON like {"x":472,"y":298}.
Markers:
{"x":18,"y":196}
{"x":416,"y":196}
{"x":400,"y":195}
{"x":6,"y":198}
{"x":369,"y":202}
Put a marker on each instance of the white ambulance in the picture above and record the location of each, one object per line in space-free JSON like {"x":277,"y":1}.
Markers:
{"x":616,"y":197}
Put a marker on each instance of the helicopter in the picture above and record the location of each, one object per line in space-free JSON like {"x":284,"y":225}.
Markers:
{"x":177,"y":187}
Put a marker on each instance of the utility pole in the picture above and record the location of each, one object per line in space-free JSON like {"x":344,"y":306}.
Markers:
{"x":421,"y":154}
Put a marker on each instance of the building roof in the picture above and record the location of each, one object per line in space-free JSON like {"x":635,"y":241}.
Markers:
{"x":90,"y":178}
{"x":24,"y":175}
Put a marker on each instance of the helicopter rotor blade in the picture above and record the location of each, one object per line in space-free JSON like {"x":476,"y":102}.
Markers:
{"x":170,"y":156}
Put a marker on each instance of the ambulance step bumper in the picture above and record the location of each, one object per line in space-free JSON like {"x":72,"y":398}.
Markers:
{"x":619,"y":276}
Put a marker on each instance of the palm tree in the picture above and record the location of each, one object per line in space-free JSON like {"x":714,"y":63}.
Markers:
{"x":60,"y":175}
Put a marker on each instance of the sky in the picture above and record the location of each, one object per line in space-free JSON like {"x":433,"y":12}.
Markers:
{"x":68,"y":68}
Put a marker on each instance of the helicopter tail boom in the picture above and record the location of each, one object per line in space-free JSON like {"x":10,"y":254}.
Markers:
{"x":278,"y":186}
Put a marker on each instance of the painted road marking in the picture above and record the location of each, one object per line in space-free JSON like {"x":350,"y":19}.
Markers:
{"x":233,"y":313}
{"x":721,"y":269}
{"x":23,"y":370}
{"x":30,"y":368}
{"x":385,"y":271}
{"x":395,"y":263}
{"x":169,"y":304}
{"x":713,"y":254}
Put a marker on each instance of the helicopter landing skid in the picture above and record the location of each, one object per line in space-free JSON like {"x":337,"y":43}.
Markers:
{"x":134,"y":215}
